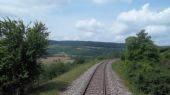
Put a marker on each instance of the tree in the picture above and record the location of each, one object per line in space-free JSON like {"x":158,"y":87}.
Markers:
{"x":142,"y":65}
{"x":131,"y":45}
{"x":20,"y":48}
{"x":141,"y":47}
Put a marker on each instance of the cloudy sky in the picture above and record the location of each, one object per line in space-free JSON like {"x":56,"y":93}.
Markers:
{"x":94,"y":20}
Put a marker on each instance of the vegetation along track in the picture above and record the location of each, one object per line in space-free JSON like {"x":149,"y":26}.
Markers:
{"x":97,"y":83}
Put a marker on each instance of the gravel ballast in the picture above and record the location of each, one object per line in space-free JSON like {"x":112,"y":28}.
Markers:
{"x":77,"y":87}
{"x":114,"y":83}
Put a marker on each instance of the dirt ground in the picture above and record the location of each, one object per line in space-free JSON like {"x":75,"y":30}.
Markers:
{"x":56,"y":58}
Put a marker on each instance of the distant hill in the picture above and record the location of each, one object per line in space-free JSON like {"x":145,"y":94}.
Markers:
{"x":87,"y":43}
{"x":84,"y":48}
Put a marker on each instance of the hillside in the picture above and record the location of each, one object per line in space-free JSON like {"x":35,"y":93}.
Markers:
{"x":84,"y":48}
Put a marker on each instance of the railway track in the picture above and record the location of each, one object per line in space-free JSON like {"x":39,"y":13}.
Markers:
{"x":97,"y":84}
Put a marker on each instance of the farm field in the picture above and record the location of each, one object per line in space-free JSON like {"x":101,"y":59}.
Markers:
{"x":56,"y":59}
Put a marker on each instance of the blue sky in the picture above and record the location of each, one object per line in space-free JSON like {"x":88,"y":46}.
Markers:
{"x":94,"y":20}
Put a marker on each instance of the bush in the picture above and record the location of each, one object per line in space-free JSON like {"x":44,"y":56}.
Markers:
{"x":148,"y":77}
{"x":79,"y":60}
{"x":54,"y":70}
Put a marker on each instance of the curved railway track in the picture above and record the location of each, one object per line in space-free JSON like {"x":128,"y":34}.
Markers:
{"x":97,"y":84}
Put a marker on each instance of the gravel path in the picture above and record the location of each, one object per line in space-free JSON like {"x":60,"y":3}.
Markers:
{"x":77,"y":87}
{"x":114,"y":83}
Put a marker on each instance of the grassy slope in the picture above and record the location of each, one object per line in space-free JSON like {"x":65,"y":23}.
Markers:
{"x":118,"y":67}
{"x":58,"y":84}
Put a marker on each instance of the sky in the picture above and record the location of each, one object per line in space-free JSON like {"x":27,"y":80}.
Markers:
{"x":94,"y":20}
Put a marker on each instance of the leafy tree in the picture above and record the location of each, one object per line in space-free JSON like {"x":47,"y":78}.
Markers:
{"x":141,"y":47}
{"x":143,"y":65}
{"x":20,"y":48}
{"x":131,"y":45}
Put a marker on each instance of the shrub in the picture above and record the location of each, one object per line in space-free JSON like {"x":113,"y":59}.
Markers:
{"x":79,"y":60}
{"x":54,"y":70}
{"x":150,"y":79}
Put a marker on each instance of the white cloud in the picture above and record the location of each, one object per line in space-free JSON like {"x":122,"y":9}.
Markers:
{"x":137,"y":16}
{"x":129,"y":23}
{"x":145,"y":15}
{"x":156,"y":23}
{"x":158,"y":30}
{"x":119,"y":27}
{"x":28,"y":7}
{"x":89,"y":25}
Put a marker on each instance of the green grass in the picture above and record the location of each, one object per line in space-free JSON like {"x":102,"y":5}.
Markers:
{"x":118,"y":67}
{"x":53,"y":87}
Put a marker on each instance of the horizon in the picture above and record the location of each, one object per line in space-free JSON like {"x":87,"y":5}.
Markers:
{"x":97,"y":41}
{"x":95,"y":20}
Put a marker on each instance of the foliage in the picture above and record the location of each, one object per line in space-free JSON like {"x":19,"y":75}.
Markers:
{"x":141,"y":47}
{"x":121,"y":69}
{"x":143,"y":65}
{"x":50,"y":71}
{"x":165,"y":53}
{"x":20,"y":47}
{"x":79,"y":60}
{"x":55,"y":69}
